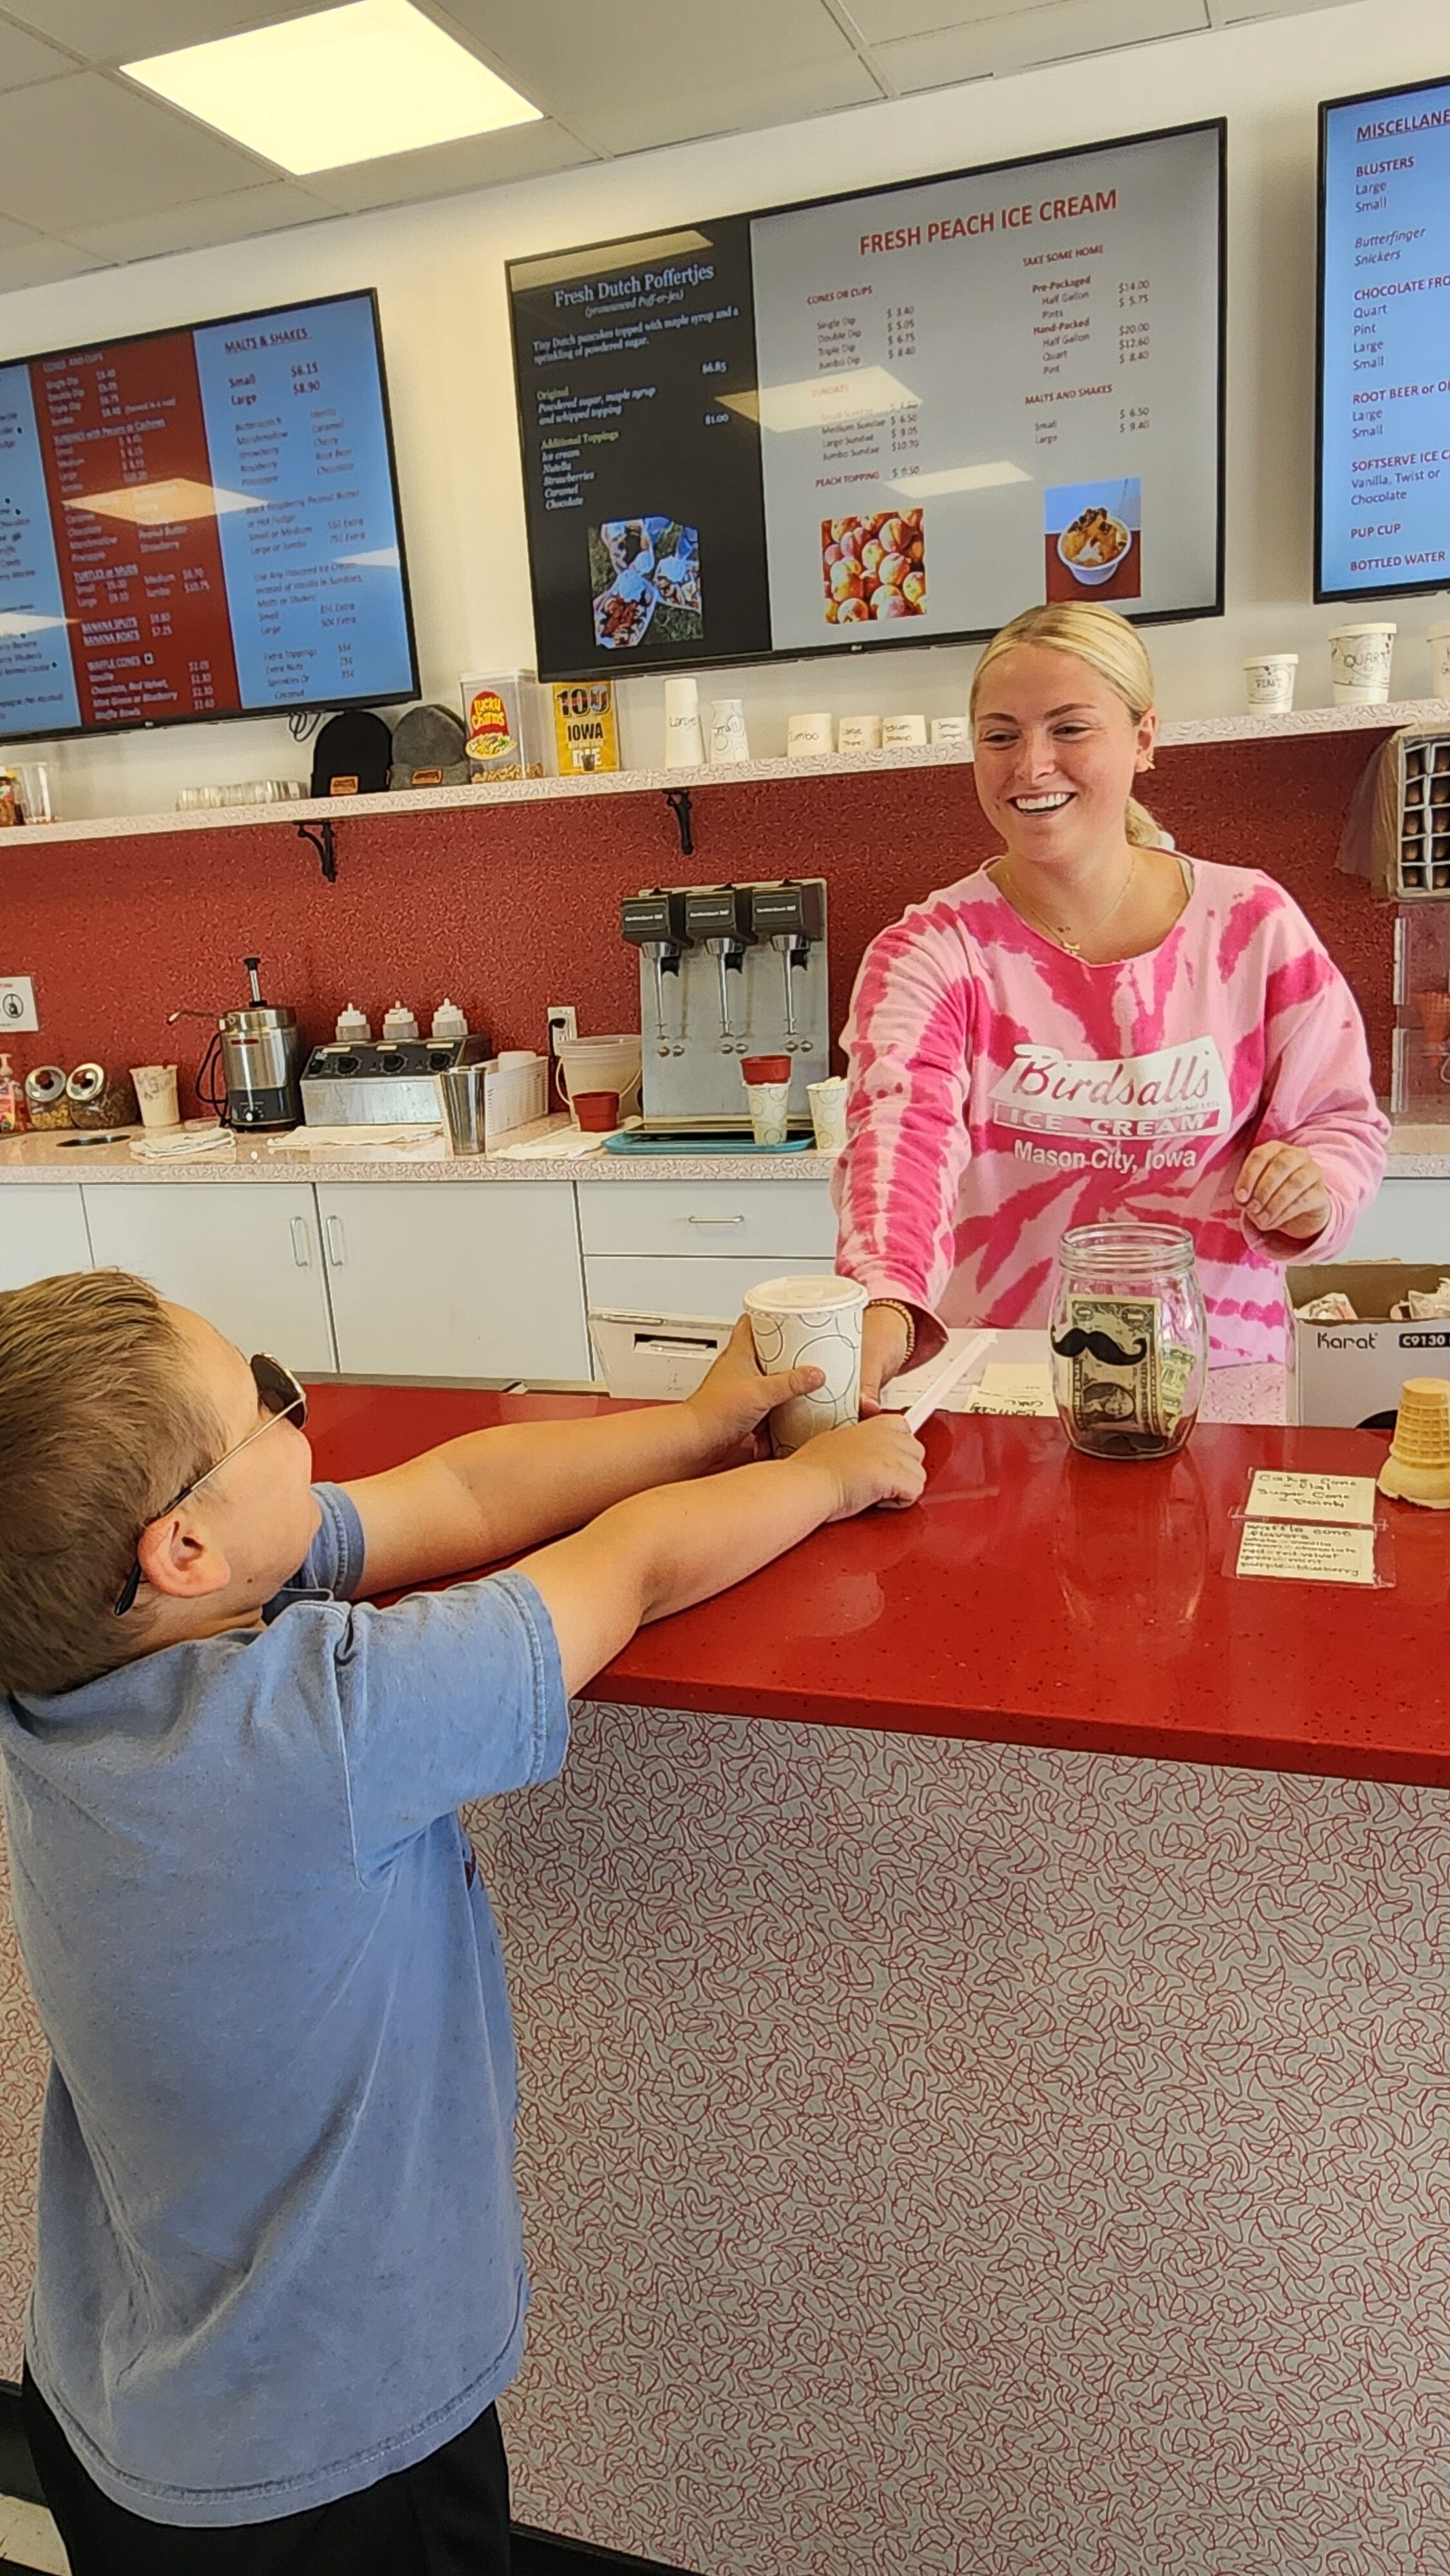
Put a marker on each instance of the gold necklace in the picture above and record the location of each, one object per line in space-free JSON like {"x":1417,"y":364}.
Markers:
{"x":1074,"y":947}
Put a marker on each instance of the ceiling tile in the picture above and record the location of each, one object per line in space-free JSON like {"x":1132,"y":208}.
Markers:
{"x":773,"y":97}
{"x":43,"y":264}
{"x":24,"y":58}
{"x":882,"y":22}
{"x":89,"y":150}
{"x":17,"y":236}
{"x":1233,"y":13}
{"x":578,"y":61}
{"x":125,"y":31}
{"x":450,"y":169}
{"x":1051,"y":33}
{"x":239,"y":216}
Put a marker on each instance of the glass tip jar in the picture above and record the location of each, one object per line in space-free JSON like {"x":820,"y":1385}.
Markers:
{"x":1129,"y":1339}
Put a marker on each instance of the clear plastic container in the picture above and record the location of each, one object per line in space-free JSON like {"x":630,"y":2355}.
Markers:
{"x":1129,"y":1339}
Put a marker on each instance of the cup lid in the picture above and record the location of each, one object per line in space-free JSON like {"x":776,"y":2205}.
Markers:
{"x":765,"y":1068}
{"x":804,"y":1295}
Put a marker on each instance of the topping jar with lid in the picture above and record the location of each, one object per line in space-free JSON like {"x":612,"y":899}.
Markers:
{"x":1129,"y":1339}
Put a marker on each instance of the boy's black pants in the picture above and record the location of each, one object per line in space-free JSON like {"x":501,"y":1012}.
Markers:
{"x":449,"y":2516}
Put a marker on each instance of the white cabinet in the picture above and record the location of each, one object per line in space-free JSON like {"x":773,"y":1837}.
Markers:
{"x":1408,"y":1221}
{"x":774,"y":1221}
{"x":42,"y":1231}
{"x":243,"y":1253}
{"x":671,"y":1285}
{"x":451,"y":1279}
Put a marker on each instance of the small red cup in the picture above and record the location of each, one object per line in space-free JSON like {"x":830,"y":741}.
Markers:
{"x":597,"y":1111}
{"x":765,"y":1068}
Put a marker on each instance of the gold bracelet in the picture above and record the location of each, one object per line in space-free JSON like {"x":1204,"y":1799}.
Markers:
{"x":895,"y":1306}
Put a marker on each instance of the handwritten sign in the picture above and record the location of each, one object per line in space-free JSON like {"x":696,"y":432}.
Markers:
{"x":1307,"y":1554}
{"x":1339,"y":1502}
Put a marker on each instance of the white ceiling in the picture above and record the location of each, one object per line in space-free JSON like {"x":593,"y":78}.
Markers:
{"x":94,"y":171}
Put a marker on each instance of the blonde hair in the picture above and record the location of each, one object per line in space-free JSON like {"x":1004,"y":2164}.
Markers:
{"x":1112,"y":648}
{"x":102,"y":1420}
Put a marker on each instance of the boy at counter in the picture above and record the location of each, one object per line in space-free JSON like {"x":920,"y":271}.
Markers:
{"x":280,"y":2274}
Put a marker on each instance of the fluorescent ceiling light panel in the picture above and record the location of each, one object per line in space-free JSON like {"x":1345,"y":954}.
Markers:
{"x":352,"y":84}
{"x":166,"y":505}
{"x":825,"y":402}
{"x":956,"y":478}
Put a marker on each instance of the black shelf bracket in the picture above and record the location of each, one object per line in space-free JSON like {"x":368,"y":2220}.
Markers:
{"x":320,"y":837}
{"x":681,"y":806}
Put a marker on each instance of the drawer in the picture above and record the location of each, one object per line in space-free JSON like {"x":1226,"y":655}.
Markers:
{"x":689,"y":1285}
{"x":782,"y":1221}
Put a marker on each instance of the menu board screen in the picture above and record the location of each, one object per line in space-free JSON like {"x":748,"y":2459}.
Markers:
{"x":201,"y":523}
{"x":1383,"y":503}
{"x":886,"y":418}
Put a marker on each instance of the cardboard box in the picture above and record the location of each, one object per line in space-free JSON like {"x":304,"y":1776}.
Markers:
{"x":1351,"y":1374}
{"x":586,"y":735}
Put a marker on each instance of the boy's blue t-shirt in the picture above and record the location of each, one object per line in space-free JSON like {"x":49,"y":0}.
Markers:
{"x":280,"y":2253}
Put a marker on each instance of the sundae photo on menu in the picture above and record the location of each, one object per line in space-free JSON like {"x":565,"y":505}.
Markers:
{"x":874,"y":568}
{"x":1092,"y":539}
{"x":645,"y":572}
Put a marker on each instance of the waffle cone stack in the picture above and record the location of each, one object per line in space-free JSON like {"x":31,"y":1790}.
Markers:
{"x":1417,"y":1469}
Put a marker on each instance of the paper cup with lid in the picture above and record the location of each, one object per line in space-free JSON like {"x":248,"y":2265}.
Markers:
{"x":810,"y":1323}
{"x":767,"y":1091}
{"x":1269,"y":683}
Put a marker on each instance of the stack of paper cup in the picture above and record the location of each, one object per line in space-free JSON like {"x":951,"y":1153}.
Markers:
{"x":903,"y":733}
{"x":859,"y":733}
{"x":684,"y":747}
{"x":156,"y":1092}
{"x":767,"y":1089}
{"x":807,"y":736}
{"x":949,"y":731}
{"x":1438,"y":639}
{"x":1359,"y":663}
{"x":828,"y":1111}
{"x":728,"y":737}
{"x":1269,"y":683}
{"x":810,"y":1323}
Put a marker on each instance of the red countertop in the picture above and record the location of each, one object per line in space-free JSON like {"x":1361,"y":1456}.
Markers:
{"x":1036,"y":1597}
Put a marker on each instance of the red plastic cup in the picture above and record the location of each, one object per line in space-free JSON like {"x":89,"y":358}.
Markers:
{"x":765,"y":1068}
{"x":597,"y":1111}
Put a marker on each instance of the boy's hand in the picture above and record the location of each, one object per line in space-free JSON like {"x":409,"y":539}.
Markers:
{"x":733,"y":1401}
{"x":879,"y":1461}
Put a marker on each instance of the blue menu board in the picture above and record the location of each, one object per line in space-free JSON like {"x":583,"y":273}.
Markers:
{"x":1383,"y":513}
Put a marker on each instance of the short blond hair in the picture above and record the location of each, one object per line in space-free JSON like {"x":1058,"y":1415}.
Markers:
{"x":102,"y":1420}
{"x":1110,"y":645}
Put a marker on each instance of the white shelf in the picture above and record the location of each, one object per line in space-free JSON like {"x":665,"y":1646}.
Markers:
{"x":1204,"y":732}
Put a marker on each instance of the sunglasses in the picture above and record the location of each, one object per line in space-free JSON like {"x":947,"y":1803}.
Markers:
{"x":282,"y":1394}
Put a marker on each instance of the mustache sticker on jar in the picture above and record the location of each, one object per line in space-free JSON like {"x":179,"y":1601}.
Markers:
{"x":1071,"y":1346}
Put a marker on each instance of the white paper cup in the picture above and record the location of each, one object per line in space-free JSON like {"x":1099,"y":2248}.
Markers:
{"x":769,"y":1111}
{"x":1359,"y":663}
{"x":1438,"y":639}
{"x":810,"y":1323}
{"x":156,"y":1093}
{"x":1269,"y":683}
{"x":728,"y":737}
{"x":949,"y":730}
{"x":807,"y":736}
{"x":859,"y":733}
{"x":684,"y":745}
{"x":903,"y":733}
{"x":828,"y":1113}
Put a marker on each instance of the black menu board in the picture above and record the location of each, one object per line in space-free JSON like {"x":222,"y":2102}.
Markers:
{"x":897,"y":416}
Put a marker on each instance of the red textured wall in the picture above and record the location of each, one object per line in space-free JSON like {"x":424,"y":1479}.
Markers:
{"x":510,"y":909}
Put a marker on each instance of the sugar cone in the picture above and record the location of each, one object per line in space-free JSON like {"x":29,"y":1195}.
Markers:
{"x":1417,"y":1469}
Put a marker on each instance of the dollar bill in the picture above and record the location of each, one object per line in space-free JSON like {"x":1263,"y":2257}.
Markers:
{"x":1111,"y":1373}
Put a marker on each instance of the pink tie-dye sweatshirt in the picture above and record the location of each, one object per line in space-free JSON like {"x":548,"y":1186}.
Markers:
{"x":1002,"y":1091}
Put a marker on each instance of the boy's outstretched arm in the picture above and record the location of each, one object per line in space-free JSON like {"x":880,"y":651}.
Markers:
{"x":486,"y":1496}
{"x":661,"y":1551}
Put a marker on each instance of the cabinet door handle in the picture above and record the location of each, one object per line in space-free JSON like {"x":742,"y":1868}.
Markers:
{"x":714,"y":1220}
{"x":336,"y":1248}
{"x":301,"y":1242}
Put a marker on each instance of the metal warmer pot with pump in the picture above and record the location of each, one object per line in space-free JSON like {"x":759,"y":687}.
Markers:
{"x":725,"y":972}
{"x":248,"y":1074}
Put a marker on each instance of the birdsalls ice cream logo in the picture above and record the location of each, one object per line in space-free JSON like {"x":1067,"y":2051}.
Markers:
{"x":1179,"y":1091}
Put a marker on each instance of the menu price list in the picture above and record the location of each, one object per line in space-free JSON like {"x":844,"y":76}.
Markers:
{"x":197,"y":522}
{"x":641,"y":446}
{"x":1385,"y":337}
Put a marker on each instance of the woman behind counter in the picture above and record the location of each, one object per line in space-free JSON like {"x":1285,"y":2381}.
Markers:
{"x":1092,"y":1026}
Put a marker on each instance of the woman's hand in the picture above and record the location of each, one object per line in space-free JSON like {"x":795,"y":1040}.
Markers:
{"x":884,"y":1344}
{"x":733,"y":1400}
{"x":1283,"y":1191}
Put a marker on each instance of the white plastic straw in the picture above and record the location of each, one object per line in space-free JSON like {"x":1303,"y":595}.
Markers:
{"x":953,"y":1369}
